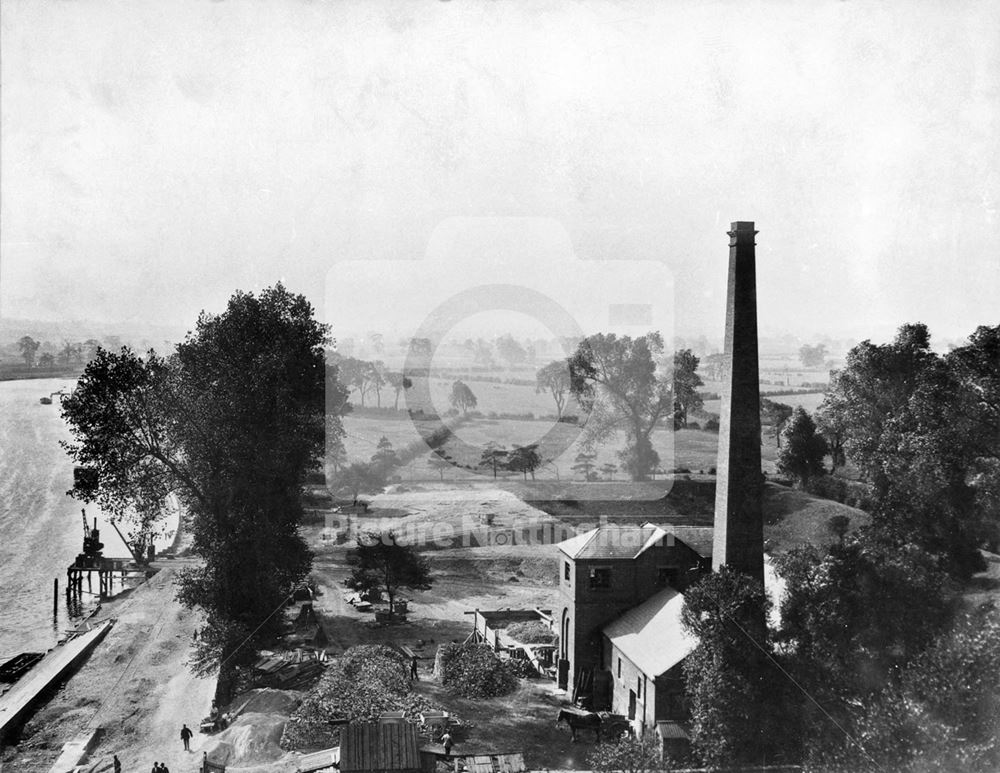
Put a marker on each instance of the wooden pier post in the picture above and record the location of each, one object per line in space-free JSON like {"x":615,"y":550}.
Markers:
{"x":55,"y":598}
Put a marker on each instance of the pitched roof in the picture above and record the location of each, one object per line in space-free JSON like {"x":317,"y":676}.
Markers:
{"x":698,"y":538}
{"x":613,"y":541}
{"x":651,"y":635}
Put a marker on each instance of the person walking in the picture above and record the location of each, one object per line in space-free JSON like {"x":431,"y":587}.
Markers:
{"x":116,"y":764}
{"x":447,"y":743}
{"x":413,"y":669}
{"x":186,"y":737}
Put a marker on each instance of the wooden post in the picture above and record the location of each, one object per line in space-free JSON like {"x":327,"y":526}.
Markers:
{"x":55,"y":598}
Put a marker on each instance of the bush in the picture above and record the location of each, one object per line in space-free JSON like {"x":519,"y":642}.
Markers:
{"x":475,"y":671}
{"x":531,"y":632}
{"x":693,"y":425}
{"x":712,"y":425}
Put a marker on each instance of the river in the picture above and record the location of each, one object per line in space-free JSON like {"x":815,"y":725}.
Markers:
{"x":41,"y":530}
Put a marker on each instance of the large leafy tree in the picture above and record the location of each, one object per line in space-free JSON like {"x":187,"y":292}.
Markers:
{"x":616,"y":381}
{"x":775,"y":415}
{"x":382,"y":565}
{"x":232,"y":423}
{"x":525,"y":459}
{"x":802,"y":454}
{"x":687,"y":399}
{"x":917,"y":425}
{"x":399,"y":384}
{"x":742,"y":706}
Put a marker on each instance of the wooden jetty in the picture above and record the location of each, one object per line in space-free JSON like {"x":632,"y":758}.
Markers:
{"x":59,"y":662}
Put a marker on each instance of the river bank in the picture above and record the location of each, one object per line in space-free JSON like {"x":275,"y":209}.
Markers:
{"x":136,"y":686}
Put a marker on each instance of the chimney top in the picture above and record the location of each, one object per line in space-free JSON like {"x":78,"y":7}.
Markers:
{"x":742,"y":232}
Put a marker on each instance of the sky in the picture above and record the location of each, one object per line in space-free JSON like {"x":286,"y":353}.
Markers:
{"x":575,"y":161}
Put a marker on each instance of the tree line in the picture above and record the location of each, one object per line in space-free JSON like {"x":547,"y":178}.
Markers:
{"x":878,"y":662}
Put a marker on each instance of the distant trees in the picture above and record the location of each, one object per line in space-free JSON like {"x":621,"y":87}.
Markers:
{"x":686,"y":380}
{"x":232,"y":423}
{"x":28,"y":346}
{"x":511,"y":351}
{"x":494,"y":457}
{"x":399,"y":383}
{"x":381,"y":565}
{"x":609,"y":469}
{"x":616,"y":382}
{"x":361,"y":376}
{"x":439,"y":463}
{"x":554,"y":378}
{"x":812,"y":356}
{"x":462,"y":398}
{"x":584,"y":464}
{"x":360,"y":478}
{"x":802,"y":454}
{"x":385,"y":457}
{"x":525,"y":459}
{"x":47,"y":361}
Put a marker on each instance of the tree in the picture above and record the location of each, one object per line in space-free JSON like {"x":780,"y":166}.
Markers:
{"x":775,"y":415}
{"x":812,"y":356}
{"x":554,"y":379}
{"x":511,"y":351}
{"x":90,"y":347}
{"x":399,"y":383}
{"x":687,"y":400}
{"x":804,"y":449}
{"x":232,"y":423}
{"x":584,"y":463}
{"x":440,"y":463}
{"x":420,"y":350}
{"x":360,"y":376}
{"x":376,"y":378}
{"x":461,"y":397}
{"x":360,"y":478}
{"x":494,"y":457}
{"x":615,"y":380}
{"x":913,"y":423}
{"x":382,"y":565}
{"x":525,"y":459}
{"x":28,"y":346}
{"x":830,"y":425}
{"x":47,"y":361}
{"x":385,"y":457}
{"x":610,"y":469}
{"x":741,"y":707}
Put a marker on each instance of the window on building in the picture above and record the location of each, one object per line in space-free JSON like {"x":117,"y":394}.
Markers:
{"x":600,"y":577}
{"x":566,"y":571}
{"x":667,"y":576}
{"x":619,"y":668}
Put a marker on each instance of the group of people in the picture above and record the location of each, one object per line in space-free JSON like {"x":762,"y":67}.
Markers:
{"x":159,"y":767}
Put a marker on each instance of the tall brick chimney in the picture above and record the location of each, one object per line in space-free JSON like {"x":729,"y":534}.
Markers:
{"x":739,"y":524}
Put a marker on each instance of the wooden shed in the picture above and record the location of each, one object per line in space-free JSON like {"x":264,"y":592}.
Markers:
{"x":379,"y":748}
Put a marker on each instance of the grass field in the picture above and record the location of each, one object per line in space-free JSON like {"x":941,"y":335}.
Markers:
{"x":559,"y":445}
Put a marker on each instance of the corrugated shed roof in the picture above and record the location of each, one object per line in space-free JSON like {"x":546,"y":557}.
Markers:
{"x":366,"y":746}
{"x":651,"y":635}
{"x":613,"y":541}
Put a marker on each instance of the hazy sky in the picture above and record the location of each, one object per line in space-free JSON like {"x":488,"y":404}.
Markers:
{"x":157,"y":156}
